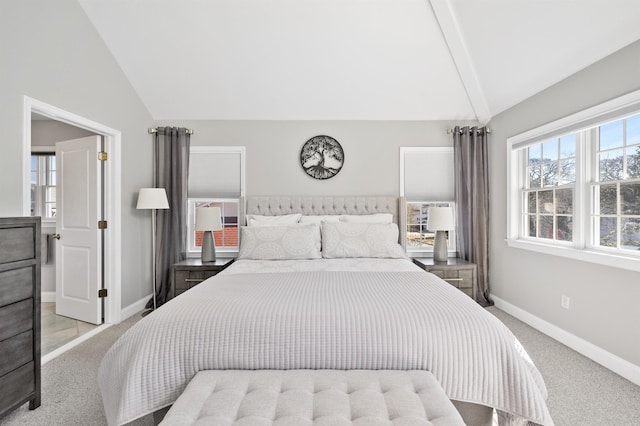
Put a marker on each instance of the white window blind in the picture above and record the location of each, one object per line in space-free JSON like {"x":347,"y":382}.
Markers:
{"x":216,"y":172}
{"x":427,"y":173}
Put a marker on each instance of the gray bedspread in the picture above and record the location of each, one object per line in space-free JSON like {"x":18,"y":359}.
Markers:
{"x":321,"y":320}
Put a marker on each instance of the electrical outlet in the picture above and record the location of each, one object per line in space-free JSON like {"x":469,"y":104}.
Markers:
{"x":565,"y":301}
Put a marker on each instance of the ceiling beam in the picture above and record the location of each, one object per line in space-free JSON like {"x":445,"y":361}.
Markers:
{"x":445,"y":16}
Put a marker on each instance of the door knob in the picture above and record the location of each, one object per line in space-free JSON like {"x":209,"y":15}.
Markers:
{"x":56,"y":236}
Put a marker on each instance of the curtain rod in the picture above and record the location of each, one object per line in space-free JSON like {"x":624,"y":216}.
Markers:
{"x":155,"y":130}
{"x":450,"y":131}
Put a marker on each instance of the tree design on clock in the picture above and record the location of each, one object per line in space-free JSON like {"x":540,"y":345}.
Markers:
{"x":321,"y":157}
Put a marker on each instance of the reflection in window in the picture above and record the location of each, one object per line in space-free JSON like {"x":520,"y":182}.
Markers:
{"x":43,"y":185}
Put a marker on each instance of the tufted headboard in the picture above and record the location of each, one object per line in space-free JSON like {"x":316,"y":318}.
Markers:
{"x":277,"y":205}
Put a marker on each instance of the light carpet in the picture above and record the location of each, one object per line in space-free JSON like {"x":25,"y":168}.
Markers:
{"x":581,"y":392}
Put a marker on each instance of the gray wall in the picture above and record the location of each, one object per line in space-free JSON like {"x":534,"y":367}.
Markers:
{"x":371,"y":148}
{"x":604,"y":300}
{"x":51,"y":52}
{"x":49,"y":132}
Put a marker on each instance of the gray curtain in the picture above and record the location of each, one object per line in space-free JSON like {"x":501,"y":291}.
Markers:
{"x":471,"y":165}
{"x":171,"y":172}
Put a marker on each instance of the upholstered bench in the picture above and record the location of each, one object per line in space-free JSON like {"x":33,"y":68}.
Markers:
{"x":313,"y":397}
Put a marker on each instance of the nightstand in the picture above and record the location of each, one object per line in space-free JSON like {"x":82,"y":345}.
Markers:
{"x":457,"y":272}
{"x":191,"y":272}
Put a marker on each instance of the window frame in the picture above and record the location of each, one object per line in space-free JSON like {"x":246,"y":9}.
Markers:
{"x":524,"y":188}
{"x":587,"y":122}
{"x":43,"y":171}
{"x":452,"y":250}
{"x":596,"y":182}
{"x":451,"y":239}
{"x":192,"y":250}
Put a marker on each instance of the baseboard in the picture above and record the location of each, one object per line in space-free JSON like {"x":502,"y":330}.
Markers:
{"x":48,"y":297}
{"x":134,"y":308}
{"x":72,"y":344}
{"x":127,"y":312}
{"x":613,"y":362}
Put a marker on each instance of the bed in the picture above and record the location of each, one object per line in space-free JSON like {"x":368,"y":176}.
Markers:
{"x":324,"y":294}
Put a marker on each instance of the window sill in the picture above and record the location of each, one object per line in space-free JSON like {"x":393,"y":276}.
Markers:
{"x":616,"y":260}
{"x":219,"y":253}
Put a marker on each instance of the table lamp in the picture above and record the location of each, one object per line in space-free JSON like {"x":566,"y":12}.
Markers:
{"x":207,"y":220}
{"x":440,"y":219}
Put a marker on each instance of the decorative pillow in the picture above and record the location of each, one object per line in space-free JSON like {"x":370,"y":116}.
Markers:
{"x":367,"y":218}
{"x":280,"y":242}
{"x":319,"y":219}
{"x":260,"y":220}
{"x":342,"y":239}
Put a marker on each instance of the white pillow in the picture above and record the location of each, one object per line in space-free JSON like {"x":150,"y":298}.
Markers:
{"x":280,"y":242}
{"x":342,"y":240}
{"x":260,"y":220}
{"x":367,"y":218}
{"x":320,"y":218}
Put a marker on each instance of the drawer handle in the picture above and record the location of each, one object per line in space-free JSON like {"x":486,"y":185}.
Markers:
{"x":453,"y":279}
{"x":193,"y":280}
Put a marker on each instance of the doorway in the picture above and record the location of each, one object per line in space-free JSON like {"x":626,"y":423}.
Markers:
{"x":111,"y":188}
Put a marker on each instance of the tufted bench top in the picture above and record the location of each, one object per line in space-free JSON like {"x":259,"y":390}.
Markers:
{"x":313,"y":397}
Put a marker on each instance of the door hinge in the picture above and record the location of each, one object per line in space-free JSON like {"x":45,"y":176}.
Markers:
{"x":102,"y":293}
{"x":102,"y":224}
{"x":102,"y":156}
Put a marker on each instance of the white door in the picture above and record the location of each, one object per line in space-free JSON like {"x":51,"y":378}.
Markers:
{"x":79,"y":248}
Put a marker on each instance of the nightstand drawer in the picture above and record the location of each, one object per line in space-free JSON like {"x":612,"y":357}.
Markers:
{"x":457,"y":272}
{"x":187,"y":279}
{"x":459,"y":278}
{"x":191,"y":272}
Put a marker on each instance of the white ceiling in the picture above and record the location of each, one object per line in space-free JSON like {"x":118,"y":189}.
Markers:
{"x":354,"y":59}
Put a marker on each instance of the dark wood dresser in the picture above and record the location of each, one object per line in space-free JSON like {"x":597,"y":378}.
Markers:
{"x":19,"y":313}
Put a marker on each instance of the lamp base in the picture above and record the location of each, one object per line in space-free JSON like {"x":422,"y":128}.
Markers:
{"x":208,"y":247}
{"x":440,"y":252}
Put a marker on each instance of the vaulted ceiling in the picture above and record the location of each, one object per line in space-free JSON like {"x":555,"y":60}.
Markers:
{"x":354,"y":59}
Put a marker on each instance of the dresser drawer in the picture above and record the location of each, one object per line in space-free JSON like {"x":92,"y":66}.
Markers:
{"x":16,"y":318}
{"x":22,"y":385}
{"x":16,"y":285}
{"x":17,"y":244}
{"x":16,"y":351}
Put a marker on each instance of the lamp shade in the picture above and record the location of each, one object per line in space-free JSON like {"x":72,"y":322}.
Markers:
{"x":152,"y":198}
{"x":208,"y":219}
{"x":440,"y":219}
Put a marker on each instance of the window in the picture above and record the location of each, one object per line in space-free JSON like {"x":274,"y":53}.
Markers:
{"x":616,"y":191}
{"x":574,"y":185}
{"x":216,"y":179}
{"x":549,"y":188}
{"x":426,"y":180}
{"x":226,"y":239}
{"x":419,"y":238}
{"x":43,"y":185}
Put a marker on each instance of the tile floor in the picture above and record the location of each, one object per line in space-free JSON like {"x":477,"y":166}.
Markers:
{"x":57,"y":330}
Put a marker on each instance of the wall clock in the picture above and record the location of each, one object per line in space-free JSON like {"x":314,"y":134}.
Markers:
{"x":321,"y":157}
